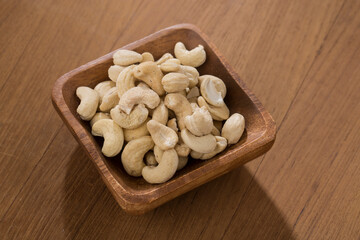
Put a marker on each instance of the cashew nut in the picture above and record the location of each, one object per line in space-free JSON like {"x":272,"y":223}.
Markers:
{"x":161,"y":113}
{"x":138,"y":95}
{"x":182,"y":149}
{"x":182,"y":163}
{"x":180,"y":105}
{"x":172,"y":124}
{"x":221,"y":144}
{"x":217,"y":113}
{"x":89,"y":102}
{"x":175,"y":82}
{"x":133,"y":155}
{"x":218,"y":124}
{"x":103,"y":87}
{"x":233,"y":128}
{"x":164,"y":58}
{"x":200,"y":122}
{"x":193,"y":93}
{"x":113,"y":136}
{"x":132,"y":120}
{"x":170,"y":65}
{"x":150,"y":159}
{"x":158,"y":153}
{"x":213,"y":90}
{"x":98,"y":116}
{"x":163,"y":136}
{"x":125,"y":80}
{"x":194,"y":57}
{"x":109,"y":100}
{"x":131,"y":134}
{"x":150,"y":73}
{"x":125,"y":57}
{"x":215,"y":131}
{"x":147,"y":57}
{"x":114,"y":72}
{"x":191,"y":73}
{"x":164,"y":171}
{"x":203,"y":144}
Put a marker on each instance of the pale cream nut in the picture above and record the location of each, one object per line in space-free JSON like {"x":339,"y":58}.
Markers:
{"x":200,"y":122}
{"x":109,"y":100}
{"x":114,"y":72}
{"x":170,"y":65}
{"x":138,"y":95}
{"x":89,"y":102}
{"x":233,"y":128}
{"x":131,"y":134}
{"x":133,"y":155}
{"x":172,"y":124}
{"x":217,"y":113}
{"x":164,"y":171}
{"x":193,"y":93}
{"x":147,"y":57}
{"x":203,"y":144}
{"x":194,"y":57}
{"x":213,"y":90}
{"x":150,"y":73}
{"x":175,"y":82}
{"x":221,"y":144}
{"x":182,"y":163}
{"x":180,"y":105}
{"x":161,"y":113}
{"x":125,"y":57}
{"x":191,"y":73}
{"x":98,"y":116}
{"x":102,"y":87}
{"x":132,"y":120}
{"x":164,"y":58}
{"x":163,"y":136}
{"x":125,"y":80}
{"x":112,"y":134}
{"x":150,"y":159}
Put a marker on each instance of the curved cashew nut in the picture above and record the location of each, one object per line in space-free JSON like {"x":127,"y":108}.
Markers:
{"x":138,"y":95}
{"x":164,"y":58}
{"x":233,"y":128}
{"x":182,"y":149}
{"x":191,"y":73}
{"x":172,"y":124}
{"x":180,"y":105}
{"x":163,"y":136}
{"x":193,"y":93}
{"x":217,"y":113}
{"x":221,"y":144}
{"x":89,"y":101}
{"x":194,"y":57}
{"x":150,"y":73}
{"x":213,"y":90}
{"x":125,"y":80}
{"x":103,"y":87}
{"x":203,"y":144}
{"x":130,"y":121}
{"x":131,"y":134}
{"x":200,"y":122}
{"x":150,"y":159}
{"x":98,"y":116}
{"x":147,"y":57}
{"x":114,"y":72}
{"x":133,"y":155}
{"x":161,"y":113}
{"x":170,"y":65}
{"x":164,"y":171}
{"x":215,"y":131}
{"x":109,"y":100}
{"x":113,"y":136}
{"x":175,"y":82}
{"x":125,"y":57}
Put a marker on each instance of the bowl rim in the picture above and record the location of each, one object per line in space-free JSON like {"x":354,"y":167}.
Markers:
{"x":141,"y":201}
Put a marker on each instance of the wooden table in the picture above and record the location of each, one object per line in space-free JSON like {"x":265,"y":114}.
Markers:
{"x":301,"y":59}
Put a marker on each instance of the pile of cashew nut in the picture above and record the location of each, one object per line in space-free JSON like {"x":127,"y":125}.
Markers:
{"x":160,"y":112}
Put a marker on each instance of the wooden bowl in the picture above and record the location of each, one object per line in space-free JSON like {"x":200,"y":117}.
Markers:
{"x":133,"y":194}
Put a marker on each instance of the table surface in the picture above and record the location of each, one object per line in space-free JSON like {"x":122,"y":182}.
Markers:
{"x":300,"y":58}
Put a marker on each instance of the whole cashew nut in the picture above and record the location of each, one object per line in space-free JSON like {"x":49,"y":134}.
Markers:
{"x":125,"y":57}
{"x":170,"y":65}
{"x":138,"y":95}
{"x":194,"y":57}
{"x":109,"y":100}
{"x":182,"y":162}
{"x":172,"y":124}
{"x":125,"y":80}
{"x":114,"y":72}
{"x":164,"y":171}
{"x":221,"y":144}
{"x":147,"y":57}
{"x":103,"y":87}
{"x":130,"y":121}
{"x":203,"y":144}
{"x":191,"y":73}
{"x":180,"y":105}
{"x":233,"y":128}
{"x":164,"y":58}
{"x":213,"y":90}
{"x":150,"y":73}
{"x":113,"y":136}
{"x":133,"y":155}
{"x":175,"y":82}
{"x":200,"y":122}
{"x":217,"y":113}
{"x":89,"y":102}
{"x":163,"y":136}
{"x":161,"y":113}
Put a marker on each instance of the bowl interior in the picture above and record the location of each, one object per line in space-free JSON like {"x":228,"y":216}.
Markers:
{"x":236,"y":99}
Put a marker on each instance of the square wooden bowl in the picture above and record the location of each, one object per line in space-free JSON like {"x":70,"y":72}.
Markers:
{"x":135,"y":195}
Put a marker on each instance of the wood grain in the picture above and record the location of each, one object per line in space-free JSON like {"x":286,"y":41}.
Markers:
{"x":299,"y":57}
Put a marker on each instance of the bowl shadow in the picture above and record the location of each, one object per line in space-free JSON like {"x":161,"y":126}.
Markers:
{"x":91,"y":212}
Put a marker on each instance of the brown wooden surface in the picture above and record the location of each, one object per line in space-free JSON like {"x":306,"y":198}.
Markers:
{"x":300,"y":58}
